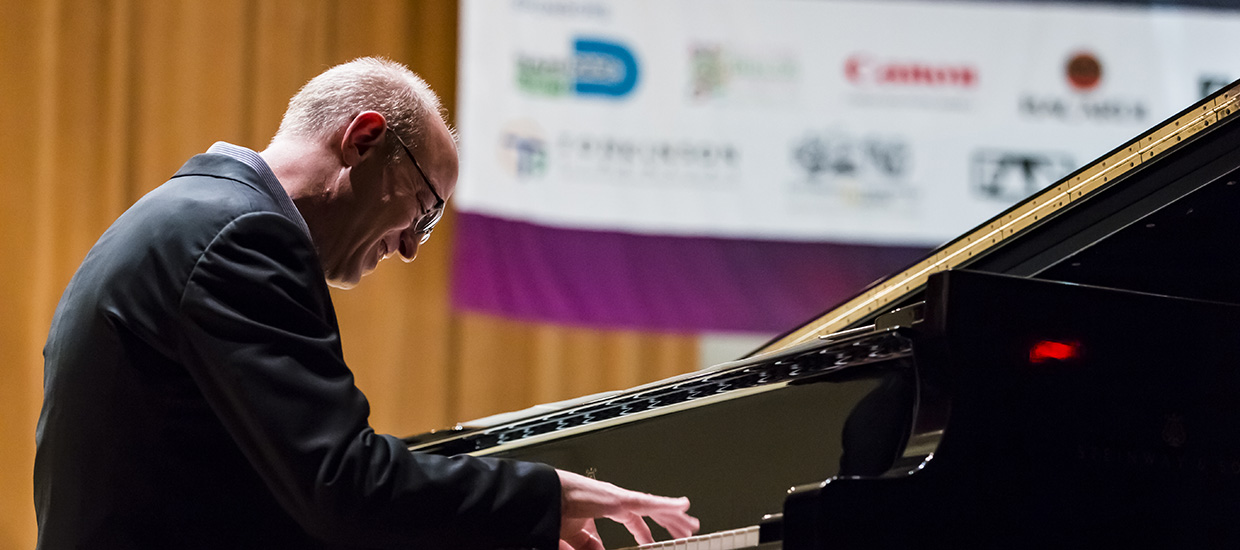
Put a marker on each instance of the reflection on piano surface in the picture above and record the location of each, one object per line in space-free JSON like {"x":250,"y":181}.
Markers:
{"x":920,"y":413}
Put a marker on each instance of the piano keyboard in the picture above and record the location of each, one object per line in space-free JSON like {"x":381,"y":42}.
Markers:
{"x":735,"y":539}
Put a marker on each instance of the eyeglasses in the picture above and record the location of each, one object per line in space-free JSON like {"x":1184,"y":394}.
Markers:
{"x":425,"y":225}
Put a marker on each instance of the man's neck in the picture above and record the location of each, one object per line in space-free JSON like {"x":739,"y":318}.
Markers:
{"x":308,"y":175}
{"x":303,"y":168}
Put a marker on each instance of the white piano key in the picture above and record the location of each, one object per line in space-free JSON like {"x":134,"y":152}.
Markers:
{"x":751,"y":537}
{"x":734,"y":539}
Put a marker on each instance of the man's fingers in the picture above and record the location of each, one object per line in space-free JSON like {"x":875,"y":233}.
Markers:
{"x":671,"y":513}
{"x":583,"y":497}
{"x":592,"y":542}
{"x":676,"y":519}
{"x":678,"y":524}
{"x":667,"y":512}
{"x":585,"y":542}
{"x":650,"y":504}
{"x":637,"y":526}
{"x":584,"y":539}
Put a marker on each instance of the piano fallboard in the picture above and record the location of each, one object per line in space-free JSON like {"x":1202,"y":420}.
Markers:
{"x":713,"y":436}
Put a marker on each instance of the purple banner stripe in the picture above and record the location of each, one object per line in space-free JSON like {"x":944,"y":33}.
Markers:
{"x":623,"y":280}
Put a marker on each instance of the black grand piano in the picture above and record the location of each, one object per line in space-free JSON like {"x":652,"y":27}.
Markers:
{"x":1067,"y":374}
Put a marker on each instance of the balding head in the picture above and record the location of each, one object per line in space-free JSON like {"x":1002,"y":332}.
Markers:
{"x":330,"y":101}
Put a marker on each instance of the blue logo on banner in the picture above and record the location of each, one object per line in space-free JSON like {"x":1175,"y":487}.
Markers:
{"x":597,"y":68}
{"x":604,"y":68}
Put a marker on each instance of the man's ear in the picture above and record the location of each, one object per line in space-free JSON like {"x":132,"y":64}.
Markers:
{"x":362,"y":137}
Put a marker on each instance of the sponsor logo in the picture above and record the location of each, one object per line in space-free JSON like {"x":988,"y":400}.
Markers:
{"x":863,"y":69}
{"x":1105,"y":110}
{"x":719,"y":73}
{"x":893,"y":83}
{"x":1009,"y":176}
{"x":1083,"y":75}
{"x":525,"y":153}
{"x":1084,"y":71}
{"x":833,"y":155}
{"x":523,"y":150}
{"x":635,"y":160}
{"x":1210,"y":83}
{"x":596,"y":68}
{"x":859,"y":171}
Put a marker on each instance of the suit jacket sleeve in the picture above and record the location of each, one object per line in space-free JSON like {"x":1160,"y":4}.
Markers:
{"x":260,"y":339}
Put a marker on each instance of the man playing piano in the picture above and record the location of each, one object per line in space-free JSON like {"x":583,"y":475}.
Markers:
{"x":195,"y":392}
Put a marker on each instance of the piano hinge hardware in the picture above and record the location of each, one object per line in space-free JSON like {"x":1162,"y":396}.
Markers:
{"x":845,"y":334}
{"x":903,"y":317}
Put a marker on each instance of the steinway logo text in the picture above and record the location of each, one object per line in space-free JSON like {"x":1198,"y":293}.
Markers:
{"x":1158,"y":460}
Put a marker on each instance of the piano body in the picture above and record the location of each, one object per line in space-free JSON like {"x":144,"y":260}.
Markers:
{"x":1067,"y":373}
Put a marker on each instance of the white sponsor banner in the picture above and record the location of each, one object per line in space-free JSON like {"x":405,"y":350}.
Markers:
{"x":867,"y":122}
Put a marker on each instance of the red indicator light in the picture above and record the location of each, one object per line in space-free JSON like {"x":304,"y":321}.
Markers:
{"x":1050,"y":350}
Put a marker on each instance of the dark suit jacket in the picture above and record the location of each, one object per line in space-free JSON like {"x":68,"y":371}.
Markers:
{"x":195,"y":396}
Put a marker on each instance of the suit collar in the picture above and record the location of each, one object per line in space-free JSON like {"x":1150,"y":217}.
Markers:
{"x":224,"y":160}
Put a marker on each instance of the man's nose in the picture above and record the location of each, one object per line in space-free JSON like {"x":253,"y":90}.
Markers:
{"x":408,"y":246}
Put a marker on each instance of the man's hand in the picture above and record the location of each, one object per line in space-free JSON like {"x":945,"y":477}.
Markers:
{"x":583,"y":499}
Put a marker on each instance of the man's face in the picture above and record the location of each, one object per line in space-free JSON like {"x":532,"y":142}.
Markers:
{"x":390,"y":202}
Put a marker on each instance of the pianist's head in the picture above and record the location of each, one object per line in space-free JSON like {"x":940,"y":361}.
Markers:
{"x":365,"y":154}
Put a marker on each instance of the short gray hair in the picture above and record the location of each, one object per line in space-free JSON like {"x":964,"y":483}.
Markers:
{"x":332,"y":99}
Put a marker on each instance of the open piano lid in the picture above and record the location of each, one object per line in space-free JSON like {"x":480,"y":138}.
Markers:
{"x":1159,"y":214}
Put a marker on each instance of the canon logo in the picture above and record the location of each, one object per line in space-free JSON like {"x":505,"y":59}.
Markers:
{"x":861,"y":69}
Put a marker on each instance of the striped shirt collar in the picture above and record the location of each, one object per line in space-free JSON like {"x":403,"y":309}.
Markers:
{"x":255,"y":161}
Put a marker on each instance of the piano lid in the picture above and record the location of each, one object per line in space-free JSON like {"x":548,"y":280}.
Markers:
{"x":1092,"y":226}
